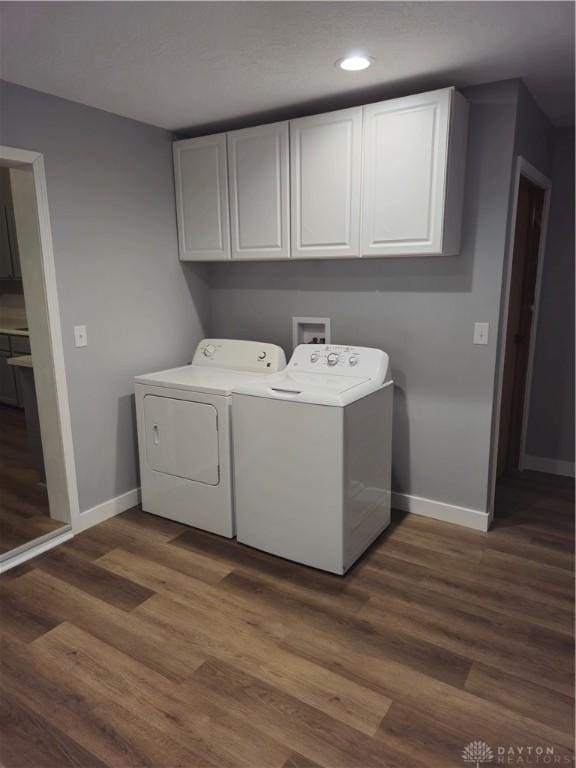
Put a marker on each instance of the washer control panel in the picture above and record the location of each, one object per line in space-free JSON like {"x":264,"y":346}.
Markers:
{"x":340,"y":359}
{"x":240,"y":355}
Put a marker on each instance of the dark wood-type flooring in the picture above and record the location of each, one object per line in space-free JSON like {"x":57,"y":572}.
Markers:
{"x":145,"y":643}
{"x":24,"y":509}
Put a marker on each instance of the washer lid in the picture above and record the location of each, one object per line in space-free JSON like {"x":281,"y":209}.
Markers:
{"x":195,"y":378}
{"x":315,"y":388}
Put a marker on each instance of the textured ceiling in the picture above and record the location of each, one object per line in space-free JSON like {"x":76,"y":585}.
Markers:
{"x":192,"y":64}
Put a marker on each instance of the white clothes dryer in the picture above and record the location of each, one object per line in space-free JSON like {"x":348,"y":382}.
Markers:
{"x":184,"y":431}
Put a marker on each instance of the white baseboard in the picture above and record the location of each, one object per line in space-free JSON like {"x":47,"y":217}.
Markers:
{"x":449,"y":513}
{"x":552,"y":466}
{"x":107,"y":509}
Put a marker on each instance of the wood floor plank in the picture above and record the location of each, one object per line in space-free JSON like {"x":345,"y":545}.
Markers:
{"x":238,"y":643}
{"x":103,"y":727}
{"x":16,"y":572}
{"x":27,"y":677}
{"x":548,"y":580}
{"x":20,"y":619}
{"x":29,"y":740}
{"x":180,"y":712}
{"x":153,"y":645}
{"x":477,"y":718}
{"x":89,"y":548}
{"x":557,"y":523}
{"x":437,"y":540}
{"x":559,"y":546}
{"x":287,"y":719}
{"x":447,"y":531}
{"x":521,"y":530}
{"x":161,"y":579}
{"x":92,"y":579}
{"x":323,"y":586}
{"x":540,"y":550}
{"x":423,"y":736}
{"x":481,"y":635}
{"x":534,"y":701}
{"x":185,"y":561}
{"x":435,"y":560}
{"x":424,"y":594}
{"x":473,"y":594}
{"x":476,"y":589}
{"x":349,"y":631}
{"x":152,"y":526}
{"x":288,"y":605}
{"x":452,"y":539}
{"x":298,"y":761}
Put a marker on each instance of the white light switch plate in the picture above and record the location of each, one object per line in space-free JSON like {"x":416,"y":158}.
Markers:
{"x":80,"y":336}
{"x":480,"y":333}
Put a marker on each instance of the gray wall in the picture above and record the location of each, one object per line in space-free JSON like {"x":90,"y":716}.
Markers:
{"x":534,"y":140}
{"x":551,"y":419}
{"x":420,"y":310}
{"x":111,"y":198}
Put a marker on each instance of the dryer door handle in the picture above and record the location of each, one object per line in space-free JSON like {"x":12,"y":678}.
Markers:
{"x":155,"y":434}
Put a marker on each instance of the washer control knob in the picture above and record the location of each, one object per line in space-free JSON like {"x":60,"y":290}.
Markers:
{"x":314,"y":357}
{"x":332,"y":358}
{"x":209,"y":350}
{"x":353,"y":360}
{"x":261,"y":355}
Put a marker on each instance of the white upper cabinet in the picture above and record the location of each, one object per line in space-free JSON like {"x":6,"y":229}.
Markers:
{"x":200,"y":169}
{"x":325,"y":159}
{"x":386,"y":179}
{"x":258,"y":167}
{"x":413,"y":171}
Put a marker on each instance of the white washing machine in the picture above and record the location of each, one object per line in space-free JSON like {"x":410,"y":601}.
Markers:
{"x":184,"y":431}
{"x":313,"y":455}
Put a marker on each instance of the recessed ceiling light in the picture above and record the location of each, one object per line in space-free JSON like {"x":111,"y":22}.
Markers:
{"x":354,"y":63}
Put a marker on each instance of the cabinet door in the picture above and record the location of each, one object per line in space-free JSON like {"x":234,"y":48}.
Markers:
{"x":258,"y":182}
{"x":325,"y":163}
{"x":20,"y":345}
{"x":202,"y":198}
{"x":8,"y":390}
{"x":405,"y":158}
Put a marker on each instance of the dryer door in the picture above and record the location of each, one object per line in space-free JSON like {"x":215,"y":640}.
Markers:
{"x":182,"y":438}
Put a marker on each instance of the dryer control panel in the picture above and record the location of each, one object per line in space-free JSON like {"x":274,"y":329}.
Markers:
{"x":237,"y":354}
{"x":363,"y":362}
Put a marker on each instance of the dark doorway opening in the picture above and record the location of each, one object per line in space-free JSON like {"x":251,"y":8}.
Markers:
{"x":519,"y":327}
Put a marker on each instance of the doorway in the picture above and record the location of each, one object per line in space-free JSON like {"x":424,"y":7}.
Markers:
{"x":519,"y":325}
{"x":38,"y":494}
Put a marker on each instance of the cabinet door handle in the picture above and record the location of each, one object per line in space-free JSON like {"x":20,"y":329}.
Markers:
{"x":155,"y":434}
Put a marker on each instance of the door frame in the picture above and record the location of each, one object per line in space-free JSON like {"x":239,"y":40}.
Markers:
{"x":522,"y":168}
{"x":11,"y":157}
